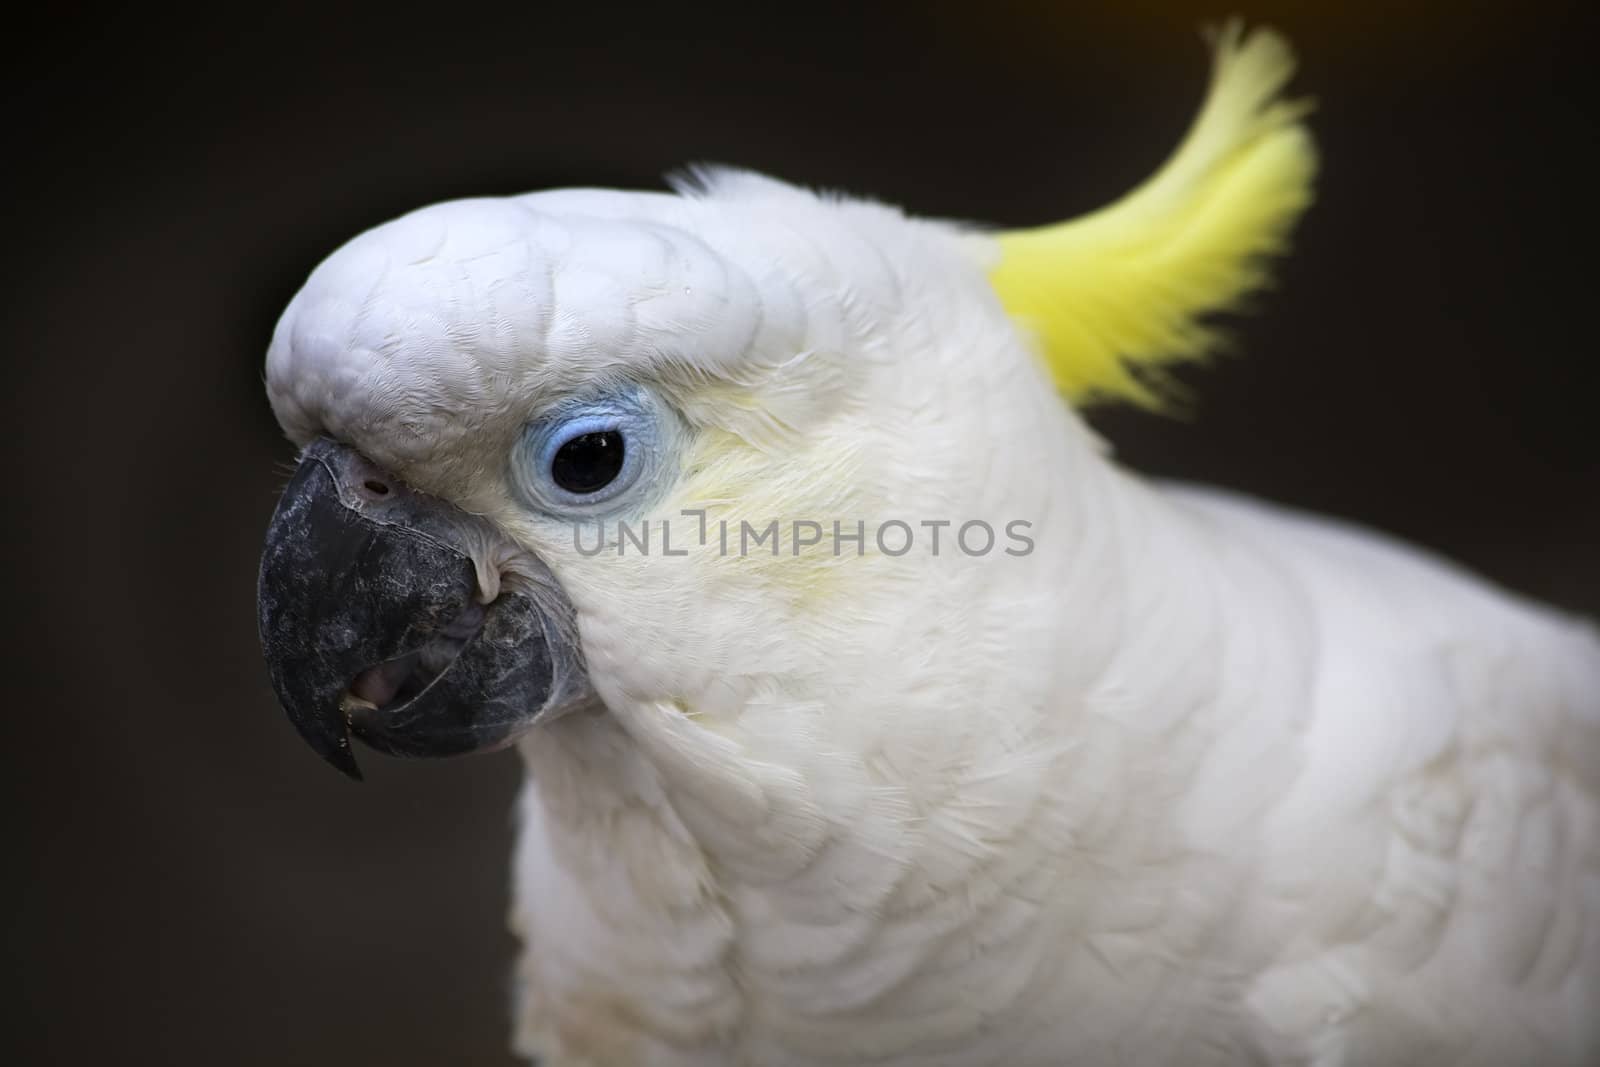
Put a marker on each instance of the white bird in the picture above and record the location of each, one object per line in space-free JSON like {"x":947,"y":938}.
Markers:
{"x":1120,"y":772}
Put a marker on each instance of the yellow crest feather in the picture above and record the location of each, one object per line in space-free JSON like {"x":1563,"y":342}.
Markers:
{"x":1112,"y":297}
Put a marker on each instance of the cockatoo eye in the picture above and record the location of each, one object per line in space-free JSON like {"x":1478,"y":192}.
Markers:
{"x":590,"y":452}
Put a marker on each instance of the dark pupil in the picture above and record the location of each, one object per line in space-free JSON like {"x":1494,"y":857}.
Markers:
{"x":588,"y":462}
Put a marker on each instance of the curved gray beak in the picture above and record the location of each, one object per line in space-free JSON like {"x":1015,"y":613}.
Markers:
{"x":371,"y":623}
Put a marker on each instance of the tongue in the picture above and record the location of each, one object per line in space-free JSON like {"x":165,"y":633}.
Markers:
{"x":378,"y":685}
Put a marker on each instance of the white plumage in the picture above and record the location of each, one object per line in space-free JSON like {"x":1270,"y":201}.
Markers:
{"x":1195,"y":781}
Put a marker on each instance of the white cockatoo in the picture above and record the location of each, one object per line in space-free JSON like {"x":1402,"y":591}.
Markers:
{"x":871,"y":713}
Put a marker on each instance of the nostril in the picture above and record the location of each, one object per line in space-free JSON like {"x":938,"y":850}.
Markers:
{"x":375,"y":487}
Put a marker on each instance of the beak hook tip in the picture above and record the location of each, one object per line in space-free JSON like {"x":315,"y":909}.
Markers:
{"x":345,"y":762}
{"x":336,"y":750}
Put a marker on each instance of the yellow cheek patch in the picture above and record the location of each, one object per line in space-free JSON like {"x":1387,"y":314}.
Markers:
{"x":1111,"y":298}
{"x":749,"y":501}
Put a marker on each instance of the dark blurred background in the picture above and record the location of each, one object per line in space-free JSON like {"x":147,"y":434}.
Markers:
{"x":190,"y":885}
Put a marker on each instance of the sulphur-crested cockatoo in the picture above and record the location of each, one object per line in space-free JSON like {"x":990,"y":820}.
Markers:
{"x":871,"y":714}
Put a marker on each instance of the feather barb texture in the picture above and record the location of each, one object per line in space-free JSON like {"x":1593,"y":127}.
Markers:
{"x":1115,"y":297}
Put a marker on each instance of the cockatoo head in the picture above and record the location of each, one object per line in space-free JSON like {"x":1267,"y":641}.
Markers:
{"x":735,"y":447}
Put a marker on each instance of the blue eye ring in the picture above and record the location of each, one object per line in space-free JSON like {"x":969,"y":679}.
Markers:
{"x":629,"y":420}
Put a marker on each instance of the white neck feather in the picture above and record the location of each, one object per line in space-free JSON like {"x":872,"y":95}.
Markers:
{"x":688,"y":883}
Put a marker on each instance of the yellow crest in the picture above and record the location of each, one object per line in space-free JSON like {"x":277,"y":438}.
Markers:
{"x":1114,"y":296}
